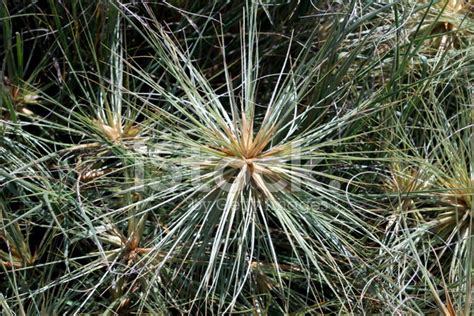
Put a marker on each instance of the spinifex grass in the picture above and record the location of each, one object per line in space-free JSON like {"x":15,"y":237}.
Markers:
{"x":172,"y":166}
{"x":430,"y":226}
{"x":254,"y":216}
{"x":449,"y":24}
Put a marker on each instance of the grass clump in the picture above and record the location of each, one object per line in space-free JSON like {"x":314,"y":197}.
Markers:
{"x":231,"y":158}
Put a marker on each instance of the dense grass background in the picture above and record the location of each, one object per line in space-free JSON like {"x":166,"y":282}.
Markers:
{"x":236,"y":157}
